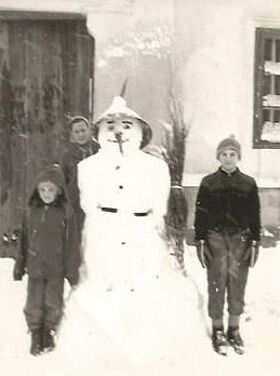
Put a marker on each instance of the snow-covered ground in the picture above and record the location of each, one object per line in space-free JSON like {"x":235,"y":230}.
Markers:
{"x":260,"y":328}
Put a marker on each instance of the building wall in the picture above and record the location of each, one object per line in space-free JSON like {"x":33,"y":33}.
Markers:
{"x":216,"y":44}
{"x":215,"y":48}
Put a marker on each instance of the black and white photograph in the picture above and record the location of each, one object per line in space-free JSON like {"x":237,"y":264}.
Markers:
{"x":140,"y":187}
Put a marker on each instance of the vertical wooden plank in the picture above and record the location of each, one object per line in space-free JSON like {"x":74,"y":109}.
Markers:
{"x":6,"y":129}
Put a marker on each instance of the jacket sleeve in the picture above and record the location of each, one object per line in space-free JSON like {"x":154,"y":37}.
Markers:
{"x":201,"y":212}
{"x":64,"y":164}
{"x":72,"y":260}
{"x":254,"y":217}
{"x":21,"y":256}
{"x":69,"y":168}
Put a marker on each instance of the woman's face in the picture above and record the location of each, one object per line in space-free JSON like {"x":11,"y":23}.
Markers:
{"x":120,"y":132}
{"x":80,"y":133}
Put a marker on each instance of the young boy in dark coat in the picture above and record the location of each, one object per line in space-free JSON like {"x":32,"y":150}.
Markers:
{"x":227,"y":232}
{"x":82,"y":145}
{"x":49,"y":253}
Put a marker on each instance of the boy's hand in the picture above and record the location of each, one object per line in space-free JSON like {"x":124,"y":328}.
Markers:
{"x":252,"y":253}
{"x":74,"y":287}
{"x":203,"y":253}
{"x":73,"y":282}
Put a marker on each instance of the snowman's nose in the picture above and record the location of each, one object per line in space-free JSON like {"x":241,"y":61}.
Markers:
{"x":118,"y":134}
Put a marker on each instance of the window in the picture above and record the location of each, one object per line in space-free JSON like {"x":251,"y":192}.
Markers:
{"x":267,"y":89}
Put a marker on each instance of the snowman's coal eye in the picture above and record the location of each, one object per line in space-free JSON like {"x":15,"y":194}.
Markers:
{"x":127,"y":124}
{"x":111,"y":128}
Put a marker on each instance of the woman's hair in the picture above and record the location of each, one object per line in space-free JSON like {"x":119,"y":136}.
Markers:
{"x":78,"y":119}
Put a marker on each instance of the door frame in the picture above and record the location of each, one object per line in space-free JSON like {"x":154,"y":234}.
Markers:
{"x":35,"y":15}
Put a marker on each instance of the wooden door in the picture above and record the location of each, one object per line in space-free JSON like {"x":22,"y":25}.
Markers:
{"x":46,"y":75}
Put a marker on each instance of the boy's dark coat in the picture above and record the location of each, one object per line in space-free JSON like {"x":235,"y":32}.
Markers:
{"x":49,"y":238}
{"x":227,"y":201}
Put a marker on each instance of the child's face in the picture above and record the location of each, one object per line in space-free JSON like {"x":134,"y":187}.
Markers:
{"x":48,"y":191}
{"x":81,"y":133}
{"x":228,"y":159}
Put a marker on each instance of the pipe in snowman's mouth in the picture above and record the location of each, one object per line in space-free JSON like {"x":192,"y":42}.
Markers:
{"x":120,"y":141}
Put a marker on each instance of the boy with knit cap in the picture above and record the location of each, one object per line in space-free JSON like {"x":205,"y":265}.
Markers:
{"x":49,"y":253}
{"x":227,"y":233}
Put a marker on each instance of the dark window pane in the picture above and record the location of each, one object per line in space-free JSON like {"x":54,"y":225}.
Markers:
{"x":277,"y":85}
{"x":267,"y":84}
{"x":276,"y":116}
{"x":277,"y":52}
{"x":268,"y":50}
{"x":266,"y":115}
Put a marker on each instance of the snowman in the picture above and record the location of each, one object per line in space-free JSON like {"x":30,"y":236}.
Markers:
{"x":124,"y":194}
{"x":130,"y":289}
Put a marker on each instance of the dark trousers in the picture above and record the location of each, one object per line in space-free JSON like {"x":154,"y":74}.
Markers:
{"x":227,"y":272}
{"x":44,"y":304}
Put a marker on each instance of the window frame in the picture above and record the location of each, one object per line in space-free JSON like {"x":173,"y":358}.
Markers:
{"x":261,"y":34}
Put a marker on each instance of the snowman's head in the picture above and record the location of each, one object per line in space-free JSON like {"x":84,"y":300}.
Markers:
{"x":120,"y":132}
{"x":121,"y":128}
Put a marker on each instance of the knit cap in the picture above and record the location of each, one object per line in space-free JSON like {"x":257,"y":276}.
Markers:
{"x":229,"y":143}
{"x":54,"y":174}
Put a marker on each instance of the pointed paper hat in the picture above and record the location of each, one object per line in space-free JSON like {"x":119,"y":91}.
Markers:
{"x":118,"y":108}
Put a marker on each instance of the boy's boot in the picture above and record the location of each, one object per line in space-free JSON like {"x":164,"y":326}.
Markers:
{"x":48,"y":339}
{"x":219,"y":340}
{"x":36,"y":342}
{"x":235,"y":340}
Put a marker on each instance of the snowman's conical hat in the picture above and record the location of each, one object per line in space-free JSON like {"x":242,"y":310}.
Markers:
{"x":118,"y":108}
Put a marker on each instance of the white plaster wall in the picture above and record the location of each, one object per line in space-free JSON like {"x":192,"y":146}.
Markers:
{"x":147,"y":80}
{"x":216,"y":52}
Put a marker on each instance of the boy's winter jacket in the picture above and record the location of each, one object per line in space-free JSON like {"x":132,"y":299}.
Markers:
{"x":227,"y":201}
{"x":49,"y":239}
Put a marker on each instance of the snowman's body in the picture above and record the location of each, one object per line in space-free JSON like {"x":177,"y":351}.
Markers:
{"x":124,"y":198}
